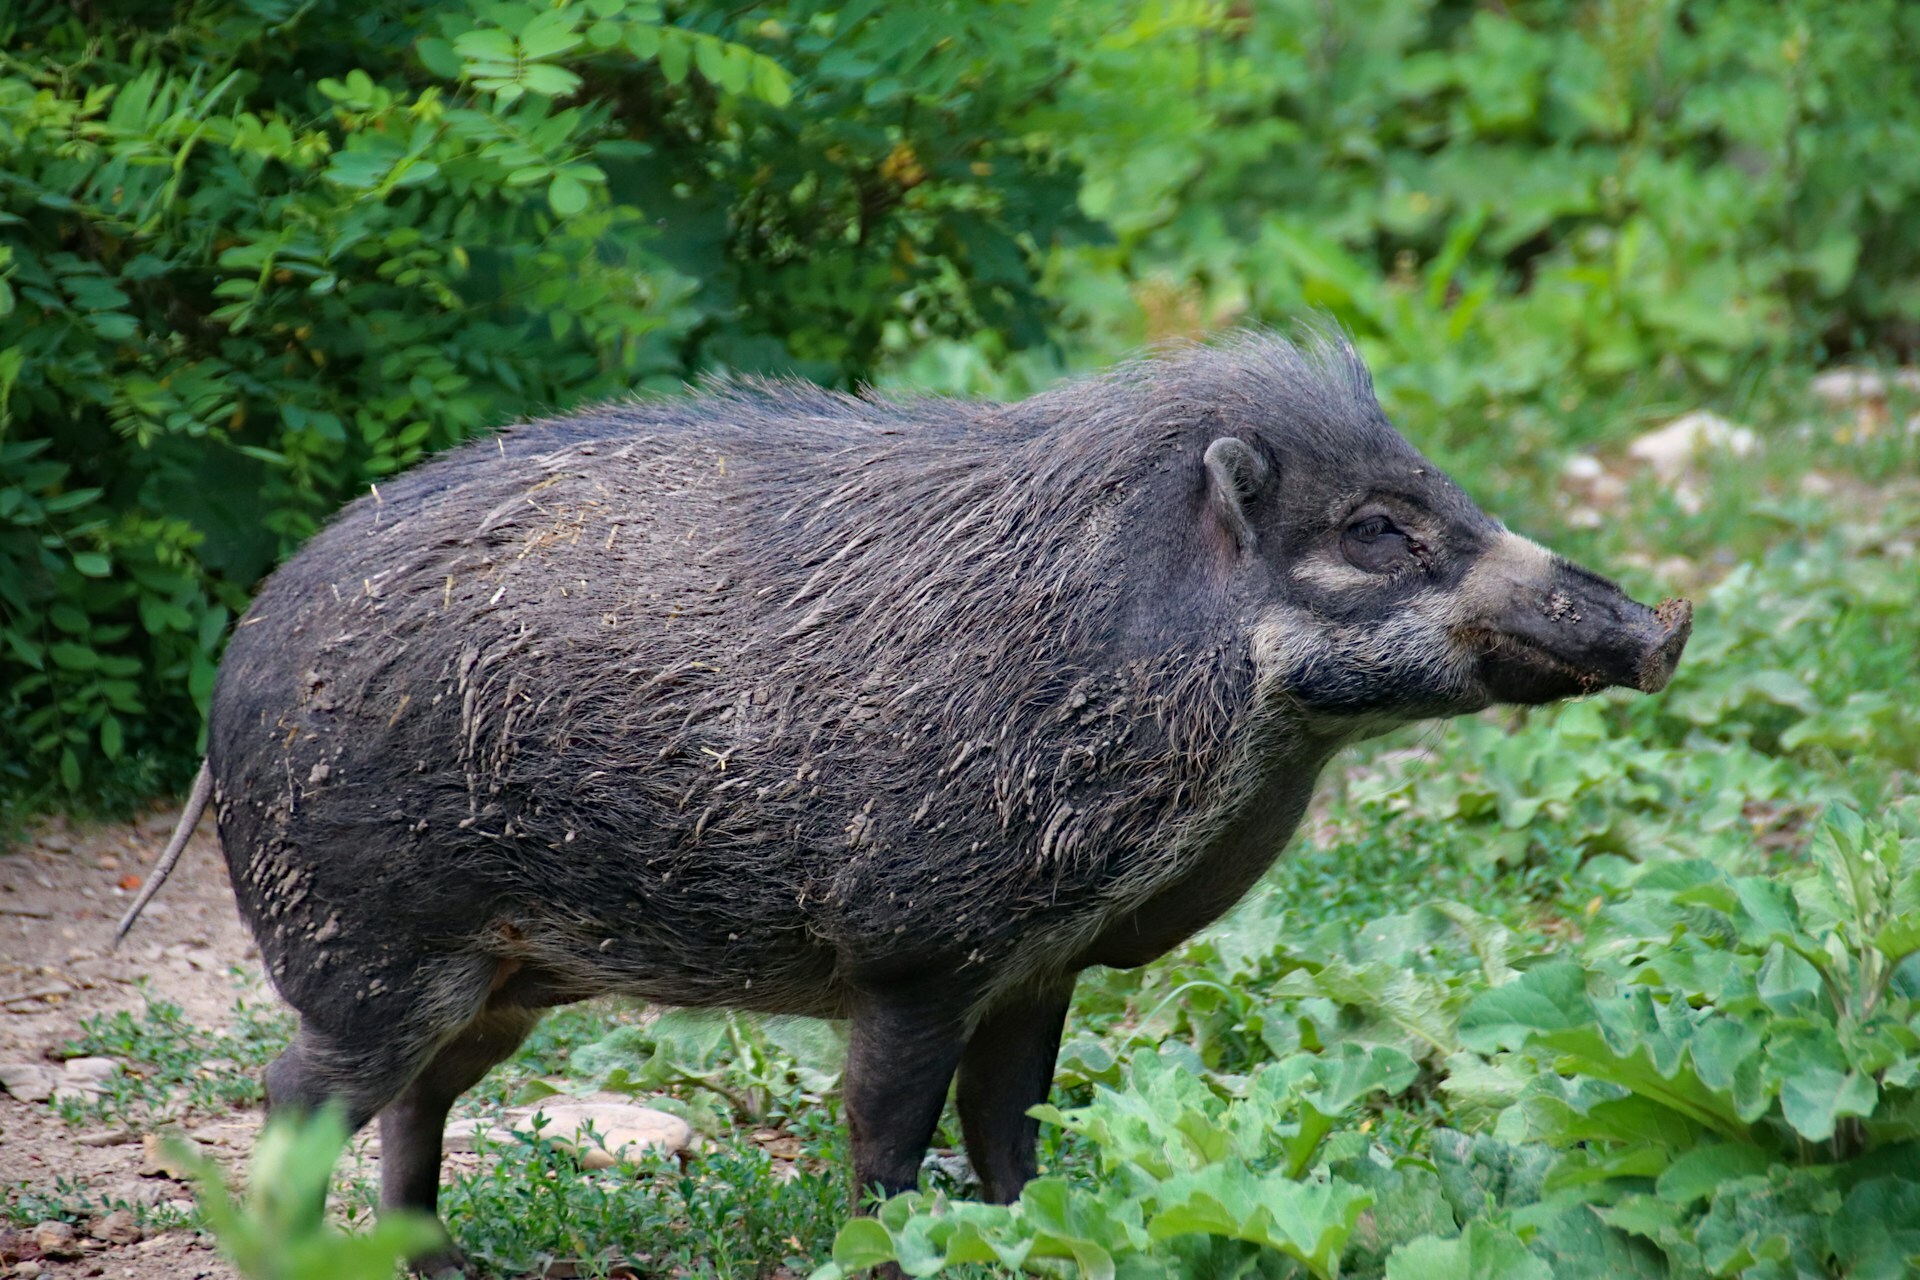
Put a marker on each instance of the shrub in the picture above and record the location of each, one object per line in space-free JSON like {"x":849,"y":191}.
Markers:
{"x":255,"y":256}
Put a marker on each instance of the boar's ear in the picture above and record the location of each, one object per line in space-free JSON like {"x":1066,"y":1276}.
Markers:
{"x":1234,"y":474}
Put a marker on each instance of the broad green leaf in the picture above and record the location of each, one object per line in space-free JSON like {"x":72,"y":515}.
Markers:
{"x":549,"y":34}
{"x":1309,"y":1222}
{"x":1481,"y":1252}
{"x":1701,"y":1173}
{"x":862,"y":1243}
{"x":1876,"y":1235}
{"x":1585,"y":1051}
{"x":568,"y":196}
{"x":1547,"y":997}
{"x":1813,"y":1098}
{"x":1899,"y":937}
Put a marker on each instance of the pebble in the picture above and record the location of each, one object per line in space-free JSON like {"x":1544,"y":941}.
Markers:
{"x":105,"y":1138}
{"x":117,"y":1227}
{"x":231,"y":1133}
{"x":618,"y":1127}
{"x":157,"y":1161}
{"x":1852,"y":385}
{"x":55,"y":1238}
{"x":1670,"y":450}
{"x":1583,"y":467}
{"x":94,"y":1071}
{"x":28,"y":1081}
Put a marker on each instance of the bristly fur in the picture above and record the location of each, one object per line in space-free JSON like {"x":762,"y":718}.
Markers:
{"x":730,"y":699}
{"x":903,"y":711}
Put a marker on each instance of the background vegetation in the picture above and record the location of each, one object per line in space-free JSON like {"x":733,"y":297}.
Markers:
{"x":256,"y":254}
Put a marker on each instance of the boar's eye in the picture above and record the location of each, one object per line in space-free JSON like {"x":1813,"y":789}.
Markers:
{"x":1373,"y":543}
{"x":1371,"y":529}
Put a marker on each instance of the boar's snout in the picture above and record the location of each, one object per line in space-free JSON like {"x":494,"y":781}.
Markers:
{"x":1673,"y":623}
{"x":1549,"y":629}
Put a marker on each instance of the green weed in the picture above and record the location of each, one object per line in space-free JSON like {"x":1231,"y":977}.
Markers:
{"x":170,"y":1068}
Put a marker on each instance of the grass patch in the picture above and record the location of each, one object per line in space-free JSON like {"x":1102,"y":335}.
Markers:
{"x":171,"y":1068}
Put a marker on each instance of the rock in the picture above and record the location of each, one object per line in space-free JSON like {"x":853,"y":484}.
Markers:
{"x":950,"y":1164}
{"x":463,"y":1135}
{"x":28,"y":1270}
{"x":1672,"y":449}
{"x":139,"y":1193}
{"x":56,"y":1239}
{"x":105,"y":1138}
{"x":229,"y":1133}
{"x":93,"y":1071}
{"x":28,"y":1081}
{"x":156,"y":1161}
{"x":779,"y":1145}
{"x":117,"y":1227}
{"x":1584,"y":468}
{"x":1852,"y":385}
{"x":618,"y":1128}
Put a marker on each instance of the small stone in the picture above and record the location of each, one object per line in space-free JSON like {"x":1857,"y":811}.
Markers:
{"x":56,"y":1239}
{"x":1673,"y":448}
{"x":94,"y":1071}
{"x":781,"y":1146}
{"x":618,"y":1128}
{"x":105,"y":1138}
{"x":1848,"y":386}
{"x":28,"y":1081}
{"x":138,"y":1193}
{"x":1583,"y":467}
{"x":1853,"y":385}
{"x":117,"y":1227}
{"x":156,"y":1161}
{"x":228,"y":1133}
{"x":463,"y":1135}
{"x":29,"y":1269}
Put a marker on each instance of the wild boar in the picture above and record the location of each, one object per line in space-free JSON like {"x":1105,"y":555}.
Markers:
{"x":898,"y":712}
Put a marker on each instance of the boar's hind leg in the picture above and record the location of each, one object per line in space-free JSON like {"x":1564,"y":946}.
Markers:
{"x":413,"y":1124}
{"x":900,"y":1060}
{"x":1007,"y":1069}
{"x":361,"y":1043}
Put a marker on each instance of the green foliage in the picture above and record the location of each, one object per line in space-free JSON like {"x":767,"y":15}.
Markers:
{"x":1496,"y":197}
{"x":169,"y":1067}
{"x":72,"y":1201}
{"x":1187,"y":1178}
{"x":280,"y":1232}
{"x":1728,"y":1041}
{"x":728,"y":1216}
{"x":259,"y":256}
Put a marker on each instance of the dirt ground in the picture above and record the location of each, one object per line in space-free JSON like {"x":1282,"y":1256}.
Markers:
{"x":62,"y":890}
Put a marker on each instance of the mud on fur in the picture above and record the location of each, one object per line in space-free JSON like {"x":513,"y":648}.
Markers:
{"x":899,"y":712}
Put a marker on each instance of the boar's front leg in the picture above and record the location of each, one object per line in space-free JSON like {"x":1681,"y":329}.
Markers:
{"x":413,"y":1125}
{"x":1006,"y":1070}
{"x":901,"y":1052}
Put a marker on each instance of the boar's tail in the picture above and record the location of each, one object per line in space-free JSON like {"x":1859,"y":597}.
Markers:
{"x":189,"y":819}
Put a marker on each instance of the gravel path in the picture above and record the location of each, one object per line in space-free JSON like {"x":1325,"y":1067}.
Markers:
{"x":62,"y":890}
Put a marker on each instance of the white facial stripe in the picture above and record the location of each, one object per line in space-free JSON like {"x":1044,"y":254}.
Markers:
{"x":1329,"y":574}
{"x":1511,"y":564}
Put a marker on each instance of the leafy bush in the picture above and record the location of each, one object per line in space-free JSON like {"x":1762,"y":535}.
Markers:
{"x":1510,"y":200}
{"x":260,"y":255}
